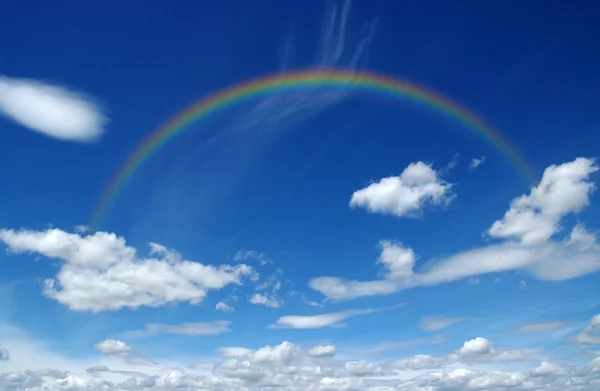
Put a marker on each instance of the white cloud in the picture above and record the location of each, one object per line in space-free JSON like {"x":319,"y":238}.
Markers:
{"x":476,"y":162}
{"x":433,"y":323}
{"x":189,"y":329}
{"x":322,"y":351}
{"x":590,"y":335}
{"x":476,"y":347}
{"x":331,"y":319}
{"x":533,"y":219}
{"x":563,"y":189}
{"x":223,"y":307}
{"x":266,"y":300}
{"x":247,"y":255}
{"x":233,"y":351}
{"x":420,"y":361}
{"x":405,"y":195}
{"x":52,"y":110}
{"x":522,"y":284}
{"x":112,"y":346}
{"x":538,"y":327}
{"x":100,"y":272}
{"x":287,"y":366}
{"x":397,"y":260}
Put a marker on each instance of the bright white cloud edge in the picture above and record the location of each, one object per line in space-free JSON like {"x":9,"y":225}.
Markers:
{"x":52,"y":110}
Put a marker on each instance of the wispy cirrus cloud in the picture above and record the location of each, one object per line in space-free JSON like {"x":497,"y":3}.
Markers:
{"x":213,"y":169}
{"x":55,"y":111}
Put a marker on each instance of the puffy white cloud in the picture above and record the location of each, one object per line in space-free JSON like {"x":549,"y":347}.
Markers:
{"x":433,"y":323}
{"x":398,"y":261}
{"x":100,"y":272}
{"x":51,"y":110}
{"x":112,"y":346}
{"x":288,"y":367}
{"x":534,"y":218}
{"x":404,"y":195}
{"x":322,"y":351}
{"x":476,"y":162}
{"x":476,"y":347}
{"x":221,"y":306}
{"x":564,"y":189}
{"x":267,"y":300}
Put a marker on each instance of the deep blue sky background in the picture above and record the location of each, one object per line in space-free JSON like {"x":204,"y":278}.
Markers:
{"x":527,"y":67}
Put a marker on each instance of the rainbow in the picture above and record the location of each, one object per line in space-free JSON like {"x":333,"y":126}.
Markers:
{"x":371,"y":82}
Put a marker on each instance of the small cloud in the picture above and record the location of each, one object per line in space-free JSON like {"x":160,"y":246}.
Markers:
{"x":113,"y":347}
{"x":451,"y":164}
{"x":474,"y":281}
{"x":405,"y":195}
{"x":322,"y":351}
{"x":99,"y":368}
{"x":476,"y":162}
{"x":266,"y":300}
{"x":82,"y":229}
{"x":312,"y":303}
{"x":234,"y":351}
{"x":223,"y":307}
{"x":537,"y":327}
{"x":51,"y":110}
{"x":190,"y":329}
{"x":590,"y":335}
{"x":4,"y":355}
{"x":434,"y":323}
{"x":247,"y":255}
{"x":522,"y":284}
{"x":332,"y":319}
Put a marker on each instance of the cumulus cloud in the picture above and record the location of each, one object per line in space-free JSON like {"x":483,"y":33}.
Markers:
{"x":563,"y":189}
{"x":287,"y":366}
{"x":52,"y":110}
{"x":100,"y":272}
{"x":112,"y":346}
{"x":223,"y":307}
{"x":534,"y":218}
{"x":405,"y":195}
{"x":476,"y":162}
{"x":322,"y":351}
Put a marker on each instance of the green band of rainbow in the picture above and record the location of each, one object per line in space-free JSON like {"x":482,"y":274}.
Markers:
{"x":294,"y":81}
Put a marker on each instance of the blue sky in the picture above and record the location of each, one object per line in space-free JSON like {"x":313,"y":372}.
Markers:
{"x":323,"y":240}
